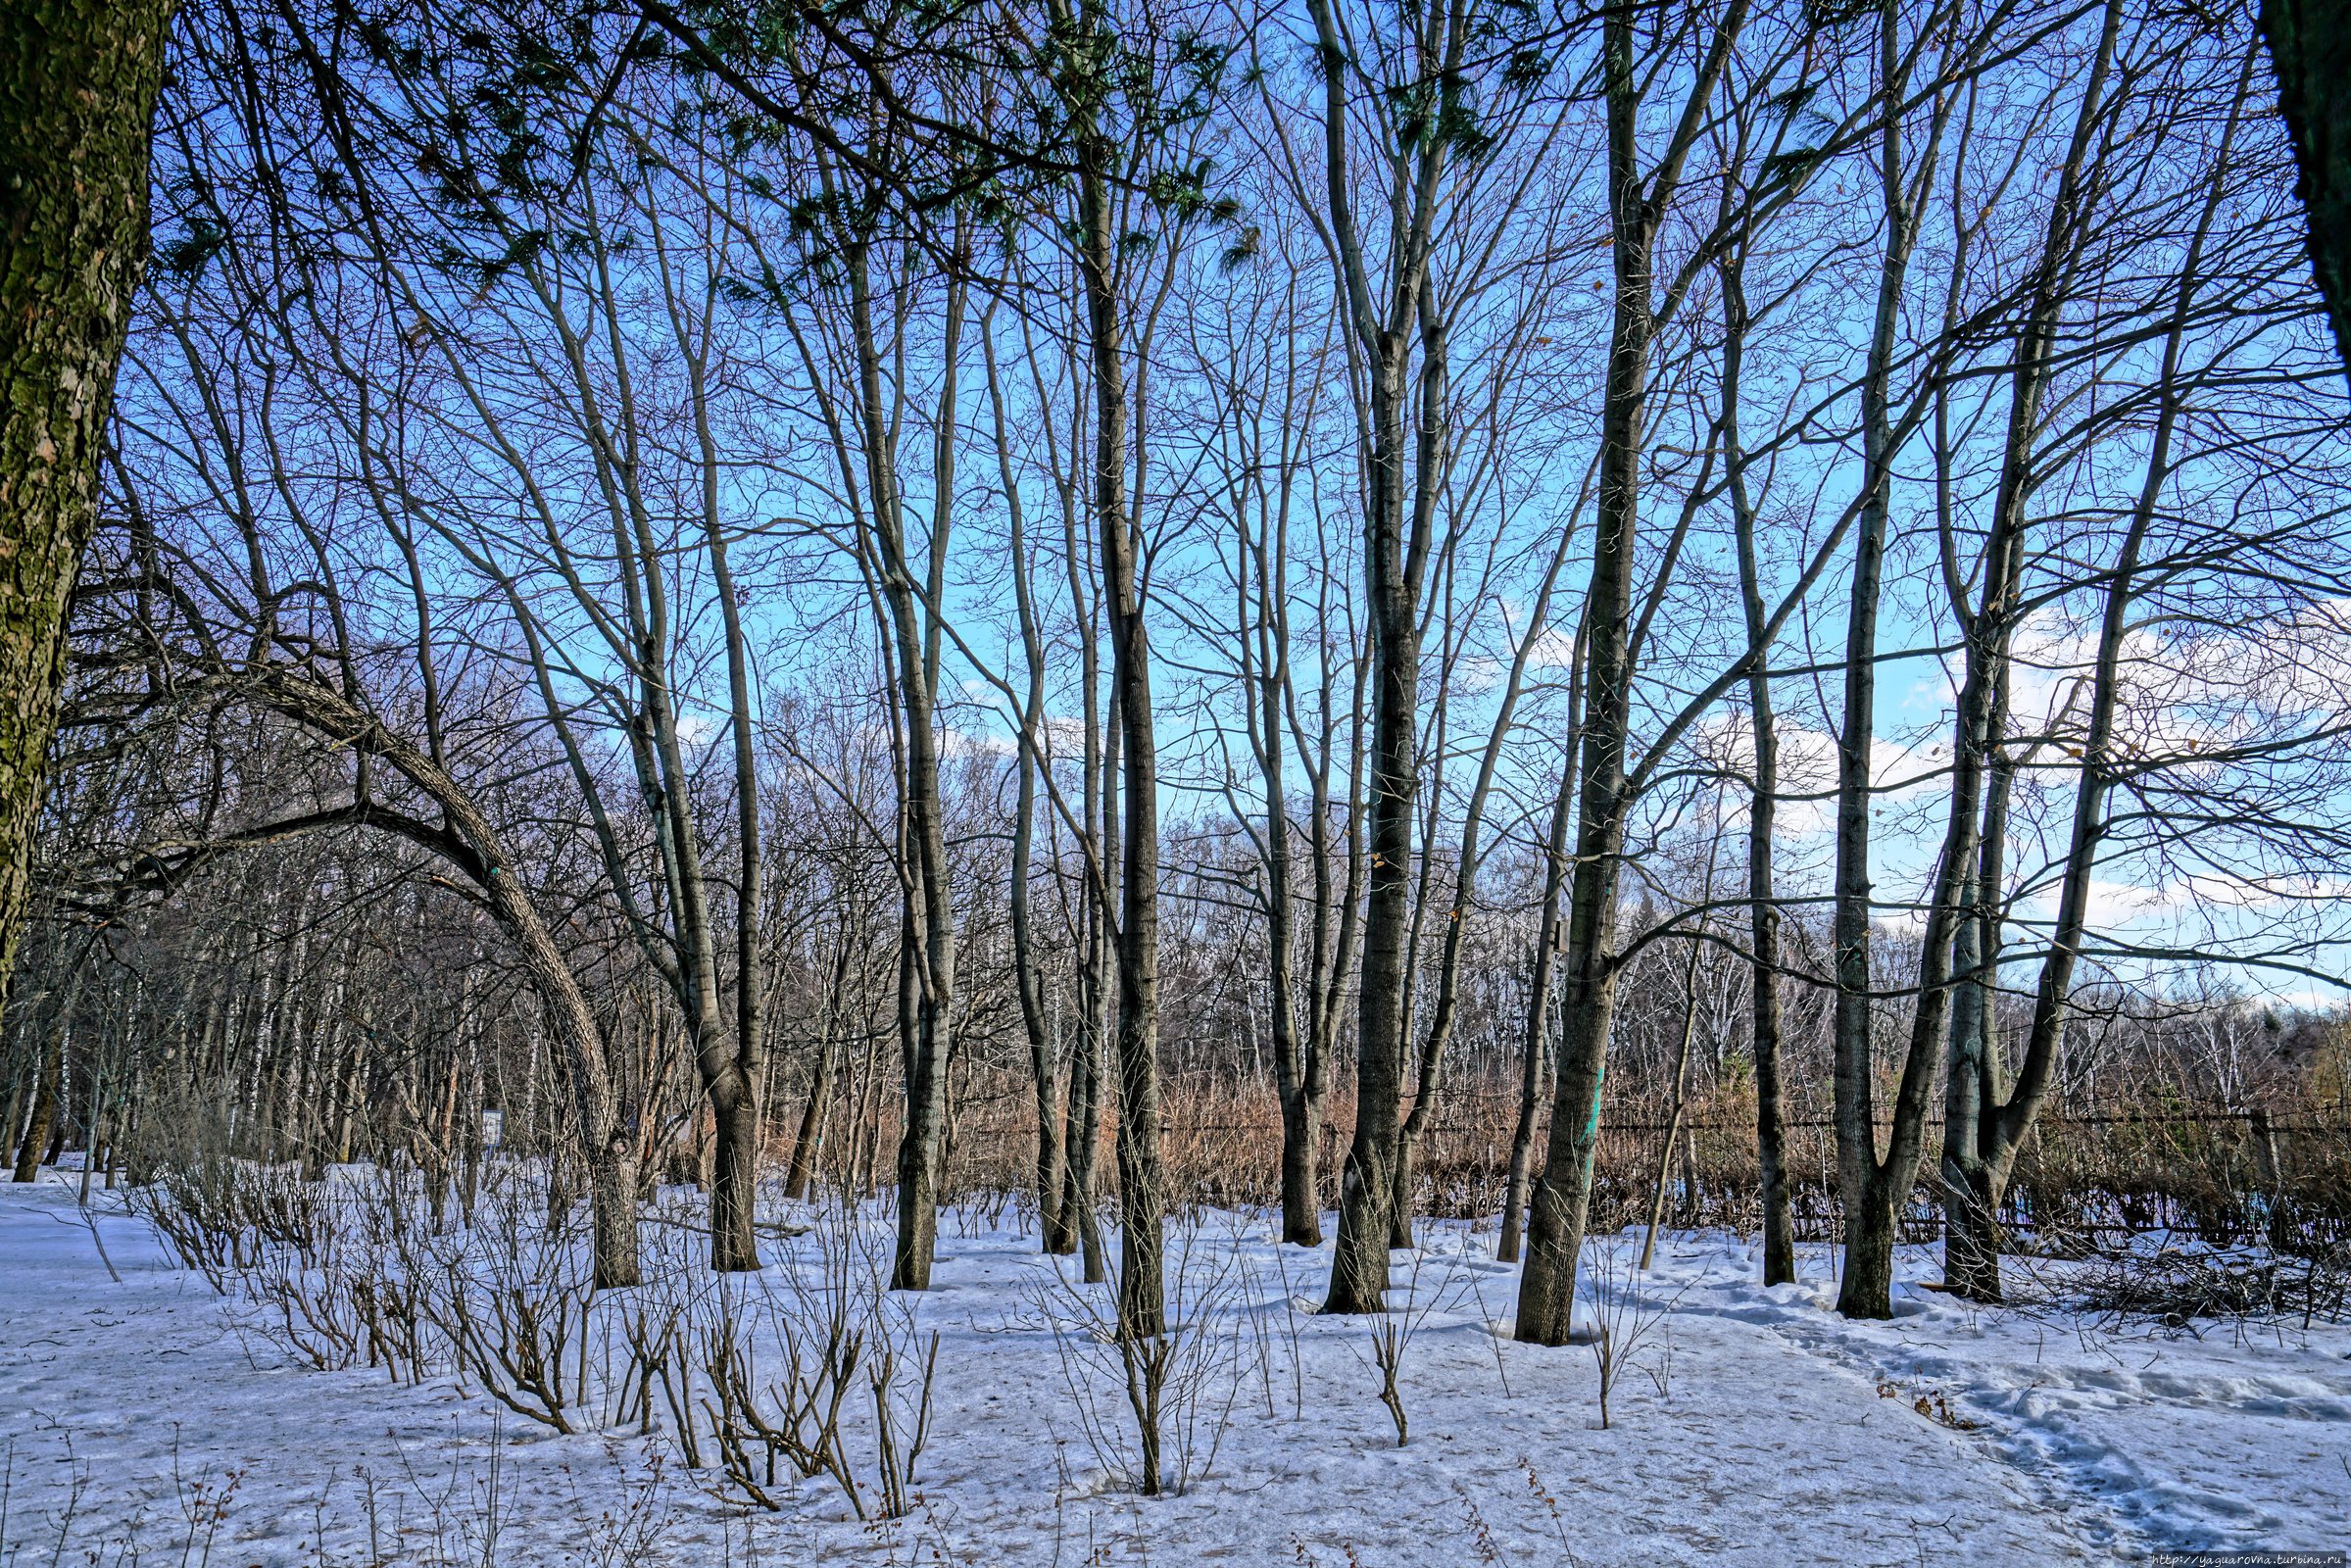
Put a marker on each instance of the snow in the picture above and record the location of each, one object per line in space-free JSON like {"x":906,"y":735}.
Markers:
{"x":150,"y":1419}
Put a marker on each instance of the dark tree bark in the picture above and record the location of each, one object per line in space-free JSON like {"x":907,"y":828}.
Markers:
{"x":1869,"y":1188}
{"x":1587,"y":967}
{"x":1389,"y":316}
{"x":1142,"y":1182}
{"x":78,"y":83}
{"x":2310,"y":46}
{"x":47,"y":1089}
{"x":1763,"y":913}
{"x":1298,"y":1063}
{"x":1056,"y":1215}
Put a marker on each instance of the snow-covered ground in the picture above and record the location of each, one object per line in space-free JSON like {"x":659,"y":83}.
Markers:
{"x":146,"y":1420}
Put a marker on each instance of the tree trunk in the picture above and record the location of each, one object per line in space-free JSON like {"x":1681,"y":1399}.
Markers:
{"x":1142,"y":1182}
{"x":1874,"y":1188}
{"x":78,"y":83}
{"x":734,"y":1182}
{"x":1057,"y":1218}
{"x":1763,"y":803}
{"x":1297,"y":1070}
{"x":1993,"y":1119}
{"x":1389,"y":317}
{"x":1971,"y":1230}
{"x":612,"y":1212}
{"x":736,"y":1085}
{"x":1083,"y":1131}
{"x":927,"y":974}
{"x":48,"y":1085}
{"x":1053,"y":1218}
{"x":1969,"y":859}
{"x":2310,"y":46}
{"x":1636,"y":205}
{"x":1098,"y":971}
{"x":1563,"y":1194}
{"x":1539,"y":1001}
{"x":805,"y":1141}
{"x":1867,"y":1288}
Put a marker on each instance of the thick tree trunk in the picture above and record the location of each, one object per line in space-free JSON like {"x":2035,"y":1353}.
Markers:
{"x":612,"y":1212}
{"x":12,"y":1119}
{"x":918,"y":1159}
{"x":47,"y":1089}
{"x":1972,"y":1197}
{"x":1368,"y":1182}
{"x":1587,"y":995}
{"x":1389,"y":318}
{"x":734,"y":1180}
{"x":1857,"y":1165}
{"x":1549,"y":935}
{"x":1301,"y":1208}
{"x":1562,"y":1202}
{"x":1867,"y":1288}
{"x":2310,"y":45}
{"x":78,"y":83}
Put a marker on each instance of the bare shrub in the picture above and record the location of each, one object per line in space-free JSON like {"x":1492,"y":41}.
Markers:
{"x":1629,"y":1316}
{"x":512,"y":1300}
{"x":791,"y":1370}
{"x":2175,"y":1284}
{"x":1389,"y":1335}
{"x":1179,"y":1387}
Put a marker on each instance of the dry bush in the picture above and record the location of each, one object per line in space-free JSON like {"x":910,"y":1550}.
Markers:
{"x":1178,"y":1388}
{"x":826,"y":1370}
{"x":2086,"y":1178}
{"x":513,"y":1299}
{"x":2178,"y":1284}
{"x":1628,"y":1317}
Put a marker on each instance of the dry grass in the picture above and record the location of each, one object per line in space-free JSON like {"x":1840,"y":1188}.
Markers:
{"x":2083,"y":1179}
